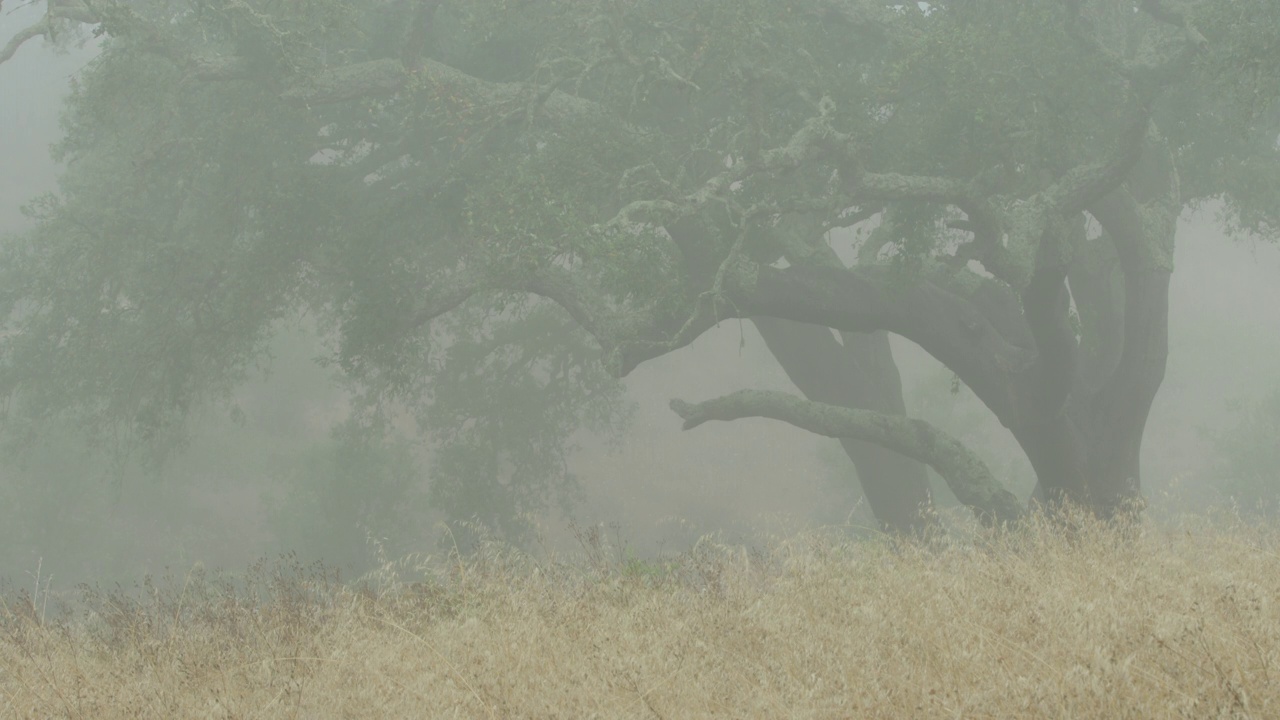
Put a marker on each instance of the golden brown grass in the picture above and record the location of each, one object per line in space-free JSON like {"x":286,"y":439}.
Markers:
{"x":1148,"y":623}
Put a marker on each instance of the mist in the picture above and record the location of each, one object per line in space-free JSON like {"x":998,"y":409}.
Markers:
{"x":678,"y":358}
{"x":239,"y":490}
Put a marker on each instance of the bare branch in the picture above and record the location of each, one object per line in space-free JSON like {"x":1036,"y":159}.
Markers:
{"x":965,"y":473}
{"x":31,"y":31}
{"x":45,"y":26}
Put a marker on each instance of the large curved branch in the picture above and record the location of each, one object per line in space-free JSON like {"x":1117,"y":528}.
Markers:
{"x":31,"y":31}
{"x":972,"y":324}
{"x":963,"y":471}
{"x":944,"y":323}
{"x":628,"y":336}
{"x":44,"y":27}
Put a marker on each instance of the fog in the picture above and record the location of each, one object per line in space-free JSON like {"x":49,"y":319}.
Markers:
{"x":225,"y":501}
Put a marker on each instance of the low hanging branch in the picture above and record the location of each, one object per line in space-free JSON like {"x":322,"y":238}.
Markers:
{"x":963,"y":471}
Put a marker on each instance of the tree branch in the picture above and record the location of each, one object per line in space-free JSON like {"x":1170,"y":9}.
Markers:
{"x":944,"y":323}
{"x":963,"y":471}
{"x":31,"y":31}
{"x":986,"y":220}
{"x":44,"y":27}
{"x":444,"y":299}
{"x":1083,"y":185}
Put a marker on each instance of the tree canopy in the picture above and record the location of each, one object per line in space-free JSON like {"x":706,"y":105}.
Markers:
{"x":494,"y":207}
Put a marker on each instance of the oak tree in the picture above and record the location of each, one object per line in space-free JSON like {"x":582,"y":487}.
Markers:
{"x":496,"y":205}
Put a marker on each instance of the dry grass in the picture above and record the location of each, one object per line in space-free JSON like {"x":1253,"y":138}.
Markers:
{"x":1149,"y":623}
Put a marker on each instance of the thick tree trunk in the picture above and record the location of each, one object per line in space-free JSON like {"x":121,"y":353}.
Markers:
{"x":1059,"y":457}
{"x":1141,"y":221}
{"x":1089,"y":452}
{"x":858,"y":374}
{"x":1121,"y":408}
{"x":1078,"y":412}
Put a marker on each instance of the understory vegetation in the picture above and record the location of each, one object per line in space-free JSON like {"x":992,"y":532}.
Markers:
{"x":1101,"y":620}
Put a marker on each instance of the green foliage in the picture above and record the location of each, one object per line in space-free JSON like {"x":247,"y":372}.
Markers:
{"x":1243,"y":52}
{"x":270,"y":482}
{"x":1233,"y":111}
{"x":343,"y":499}
{"x":1248,"y":468}
{"x":223,"y":175}
{"x":504,"y":408}
{"x":86,"y":515}
{"x":967,"y":103}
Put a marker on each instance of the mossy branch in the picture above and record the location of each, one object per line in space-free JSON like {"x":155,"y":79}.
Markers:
{"x":964,"y":472}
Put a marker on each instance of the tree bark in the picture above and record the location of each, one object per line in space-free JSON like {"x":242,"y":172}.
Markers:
{"x":860,"y":373}
{"x":1090,"y":452}
{"x":964,"y":472}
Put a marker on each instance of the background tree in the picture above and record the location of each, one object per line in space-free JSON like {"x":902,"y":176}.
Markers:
{"x":469,"y":191}
{"x":1248,"y":454}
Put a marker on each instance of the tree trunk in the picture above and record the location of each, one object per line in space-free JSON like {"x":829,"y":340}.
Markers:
{"x":1141,"y":221}
{"x":1090,"y":451}
{"x":858,"y":374}
{"x":1121,"y":408}
{"x":1078,"y":412}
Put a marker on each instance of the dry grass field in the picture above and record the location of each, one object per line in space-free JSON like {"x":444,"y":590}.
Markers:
{"x":1145,"y":623}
